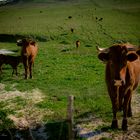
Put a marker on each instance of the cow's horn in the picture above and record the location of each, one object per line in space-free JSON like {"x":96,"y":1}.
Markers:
{"x":19,"y":40}
{"x":102,"y":49}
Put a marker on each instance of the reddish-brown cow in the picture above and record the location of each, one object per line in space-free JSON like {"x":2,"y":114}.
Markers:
{"x":28,"y":53}
{"x":122,"y":78}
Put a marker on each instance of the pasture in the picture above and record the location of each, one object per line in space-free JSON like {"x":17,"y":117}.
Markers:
{"x":60,"y":68}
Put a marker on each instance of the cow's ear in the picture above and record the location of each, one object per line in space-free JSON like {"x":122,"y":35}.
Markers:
{"x":103,"y":56}
{"x":138,"y":52}
{"x":132,"y":57}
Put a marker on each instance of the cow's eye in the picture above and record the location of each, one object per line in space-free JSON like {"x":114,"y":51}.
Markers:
{"x":123,"y":52}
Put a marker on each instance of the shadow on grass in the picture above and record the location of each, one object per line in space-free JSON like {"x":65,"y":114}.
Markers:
{"x":95,"y":132}
{"x":49,"y":131}
{"x":88,"y":118}
{"x":12,"y":38}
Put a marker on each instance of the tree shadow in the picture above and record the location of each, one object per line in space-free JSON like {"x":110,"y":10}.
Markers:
{"x":12,"y":38}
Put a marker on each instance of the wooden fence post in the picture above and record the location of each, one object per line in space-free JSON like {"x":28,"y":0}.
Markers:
{"x":70,"y":117}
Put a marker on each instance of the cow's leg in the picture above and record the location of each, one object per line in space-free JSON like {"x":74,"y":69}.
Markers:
{"x":0,"y":68}
{"x":120,"y":101}
{"x":129,"y":114}
{"x":26,"y":71}
{"x":25,"y":63}
{"x":114,"y":124}
{"x":114,"y":102}
{"x":13,"y":72}
{"x":127,"y":99}
{"x":16,"y":71}
{"x":30,"y":69}
{"x":31,"y":58}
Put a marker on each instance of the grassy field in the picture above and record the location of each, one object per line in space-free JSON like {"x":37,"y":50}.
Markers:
{"x":60,"y":69}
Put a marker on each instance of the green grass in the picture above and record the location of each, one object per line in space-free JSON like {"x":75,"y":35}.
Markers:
{"x":61,"y":70}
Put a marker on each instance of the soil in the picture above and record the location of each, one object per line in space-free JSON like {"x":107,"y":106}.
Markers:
{"x":90,"y":130}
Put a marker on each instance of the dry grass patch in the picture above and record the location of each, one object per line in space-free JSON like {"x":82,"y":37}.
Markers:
{"x":24,"y":105}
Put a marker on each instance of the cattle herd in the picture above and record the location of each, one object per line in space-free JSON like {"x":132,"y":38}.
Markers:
{"x":29,"y":51}
{"x":122,"y":73}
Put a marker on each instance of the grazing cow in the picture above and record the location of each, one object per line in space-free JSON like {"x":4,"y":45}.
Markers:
{"x":28,"y":53}
{"x":77,"y":43}
{"x":122,"y":78}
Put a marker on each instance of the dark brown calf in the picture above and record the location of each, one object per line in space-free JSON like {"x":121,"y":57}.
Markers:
{"x":122,"y":78}
{"x":14,"y":62}
{"x":28,"y":53}
{"x":11,"y":60}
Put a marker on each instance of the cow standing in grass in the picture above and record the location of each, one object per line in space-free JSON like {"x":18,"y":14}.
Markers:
{"x":28,"y":53}
{"x":14,"y":62}
{"x":122,"y":78}
{"x":11,"y":60}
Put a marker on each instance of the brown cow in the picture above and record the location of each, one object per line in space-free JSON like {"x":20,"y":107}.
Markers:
{"x":28,"y":53}
{"x":77,"y":43}
{"x":122,"y":78}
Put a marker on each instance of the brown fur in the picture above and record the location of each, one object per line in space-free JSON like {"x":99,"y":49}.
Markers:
{"x":122,"y":65}
{"x":11,"y":60}
{"x":28,"y":53}
{"x":14,"y":62}
{"x":77,"y":44}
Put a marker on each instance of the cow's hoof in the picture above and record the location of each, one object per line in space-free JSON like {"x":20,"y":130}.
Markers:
{"x":114,"y":124}
{"x":124,"y":125}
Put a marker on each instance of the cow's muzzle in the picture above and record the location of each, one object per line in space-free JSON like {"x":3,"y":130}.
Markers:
{"x":118,"y":83}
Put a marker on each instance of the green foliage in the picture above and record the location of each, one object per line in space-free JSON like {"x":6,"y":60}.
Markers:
{"x":5,"y":122}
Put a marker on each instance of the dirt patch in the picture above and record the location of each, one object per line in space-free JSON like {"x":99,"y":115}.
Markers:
{"x":24,"y":104}
{"x":90,"y":130}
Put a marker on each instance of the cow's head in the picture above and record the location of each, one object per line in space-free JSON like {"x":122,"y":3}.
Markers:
{"x":117,"y":58}
{"x":22,"y":42}
{"x":25,"y":42}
